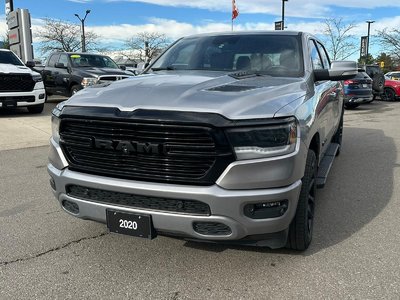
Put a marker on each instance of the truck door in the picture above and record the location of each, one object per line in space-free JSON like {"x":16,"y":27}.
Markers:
{"x":325,"y":92}
{"x":337,"y":93}
{"x":62,"y":75}
{"x":49,"y":73}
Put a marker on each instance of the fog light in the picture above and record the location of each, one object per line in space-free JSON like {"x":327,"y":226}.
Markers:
{"x":41,"y":96}
{"x":71,"y":207}
{"x":266,"y":210}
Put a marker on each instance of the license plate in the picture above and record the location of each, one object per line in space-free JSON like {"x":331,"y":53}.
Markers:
{"x":130,"y":224}
{"x":364,"y":85}
{"x":9,"y":103}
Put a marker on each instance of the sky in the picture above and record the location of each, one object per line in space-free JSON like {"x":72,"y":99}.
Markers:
{"x":117,"y":20}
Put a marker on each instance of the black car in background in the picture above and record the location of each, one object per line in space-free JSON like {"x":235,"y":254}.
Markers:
{"x":66,"y":73}
{"x":358,"y":90}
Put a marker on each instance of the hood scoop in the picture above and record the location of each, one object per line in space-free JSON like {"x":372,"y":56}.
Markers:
{"x":233,"y":88}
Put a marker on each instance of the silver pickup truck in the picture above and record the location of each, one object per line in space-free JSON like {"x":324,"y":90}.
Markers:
{"x":224,"y":138}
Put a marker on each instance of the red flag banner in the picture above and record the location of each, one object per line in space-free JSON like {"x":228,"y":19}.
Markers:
{"x":235,"y":11}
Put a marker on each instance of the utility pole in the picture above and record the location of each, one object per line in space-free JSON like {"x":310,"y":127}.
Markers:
{"x":369,"y":27}
{"x":283,"y":13}
{"x":83,"y":29}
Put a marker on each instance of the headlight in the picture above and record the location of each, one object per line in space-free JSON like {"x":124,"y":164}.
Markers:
{"x":37,"y":78}
{"x":55,"y":121}
{"x":88,"y":81}
{"x":55,"y":127}
{"x":261,"y":142}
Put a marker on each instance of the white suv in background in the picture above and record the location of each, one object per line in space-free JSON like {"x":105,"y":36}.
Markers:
{"x":19,"y":85}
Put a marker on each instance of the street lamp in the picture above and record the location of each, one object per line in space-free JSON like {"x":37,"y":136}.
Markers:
{"x":83,"y":29}
{"x":369,"y":27}
{"x":283,"y":13}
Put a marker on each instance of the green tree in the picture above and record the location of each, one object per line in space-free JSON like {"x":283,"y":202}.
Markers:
{"x":6,"y":43}
{"x":366,"y":61}
{"x":389,"y":64}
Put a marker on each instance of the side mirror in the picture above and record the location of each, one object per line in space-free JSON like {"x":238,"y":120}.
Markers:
{"x":340,"y":70}
{"x":61,"y":66}
{"x":30,"y":64}
{"x":122,"y":67}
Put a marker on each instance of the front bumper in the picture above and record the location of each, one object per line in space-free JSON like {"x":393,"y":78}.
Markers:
{"x":22,"y":99}
{"x":226,"y":205}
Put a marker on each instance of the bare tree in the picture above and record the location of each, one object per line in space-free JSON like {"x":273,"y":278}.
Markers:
{"x":147,"y":45}
{"x":339,"y":41}
{"x":63,"y":36}
{"x":390,"y":40}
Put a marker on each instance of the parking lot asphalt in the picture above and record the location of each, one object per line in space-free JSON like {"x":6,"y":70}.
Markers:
{"x":47,"y":254}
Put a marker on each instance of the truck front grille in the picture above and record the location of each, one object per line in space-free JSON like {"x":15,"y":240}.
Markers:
{"x":139,"y":201}
{"x":16,"y":83}
{"x":156,"y":152}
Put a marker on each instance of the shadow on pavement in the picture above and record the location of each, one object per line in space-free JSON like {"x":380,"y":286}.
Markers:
{"x":359,"y":187}
{"x":23,"y":111}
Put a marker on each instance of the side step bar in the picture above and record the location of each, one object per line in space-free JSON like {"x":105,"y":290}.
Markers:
{"x":326,"y":164}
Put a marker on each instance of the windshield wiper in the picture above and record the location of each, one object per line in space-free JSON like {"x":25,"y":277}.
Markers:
{"x":245,"y":74}
{"x":169,"y":68}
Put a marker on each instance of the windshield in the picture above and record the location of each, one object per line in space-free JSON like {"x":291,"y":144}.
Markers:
{"x":9,"y":58}
{"x":266,"y":54}
{"x":90,"y":60}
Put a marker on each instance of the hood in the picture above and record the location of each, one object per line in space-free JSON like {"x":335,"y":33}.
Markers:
{"x":249,"y":98}
{"x":96,"y":72}
{"x":13,"y":69}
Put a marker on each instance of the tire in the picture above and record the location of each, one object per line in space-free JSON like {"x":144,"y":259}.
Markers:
{"x":351,"y":105}
{"x":389,"y":95}
{"x":378,"y":82}
{"x":301,"y":228}
{"x":338,"y":136}
{"x":74,"y":89}
{"x":36,"y":109}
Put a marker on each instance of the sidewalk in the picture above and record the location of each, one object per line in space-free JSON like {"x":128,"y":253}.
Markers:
{"x":24,"y":132}
{"x":19,"y":129}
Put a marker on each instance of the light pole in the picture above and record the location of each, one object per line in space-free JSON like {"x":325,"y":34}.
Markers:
{"x":283,"y":13}
{"x":83,"y":29}
{"x":369,"y":27}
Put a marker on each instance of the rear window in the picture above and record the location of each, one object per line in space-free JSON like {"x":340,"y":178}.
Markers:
{"x":362,"y":75}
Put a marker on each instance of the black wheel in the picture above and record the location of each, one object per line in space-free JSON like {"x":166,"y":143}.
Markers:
{"x":36,"y":109}
{"x":74,"y":89}
{"x":351,"y":105}
{"x":389,"y":95}
{"x":301,"y":228}
{"x":378,"y":82}
{"x":338,"y":136}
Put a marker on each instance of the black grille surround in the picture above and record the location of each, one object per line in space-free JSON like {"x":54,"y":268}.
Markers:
{"x":181,"y":153}
{"x":16,"y":83}
{"x":18,"y":98}
{"x":192,"y":207}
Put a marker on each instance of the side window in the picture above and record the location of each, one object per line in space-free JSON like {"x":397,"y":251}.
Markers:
{"x":315,"y":58}
{"x":53,"y":59}
{"x":63,"y":59}
{"x":324,"y":56}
